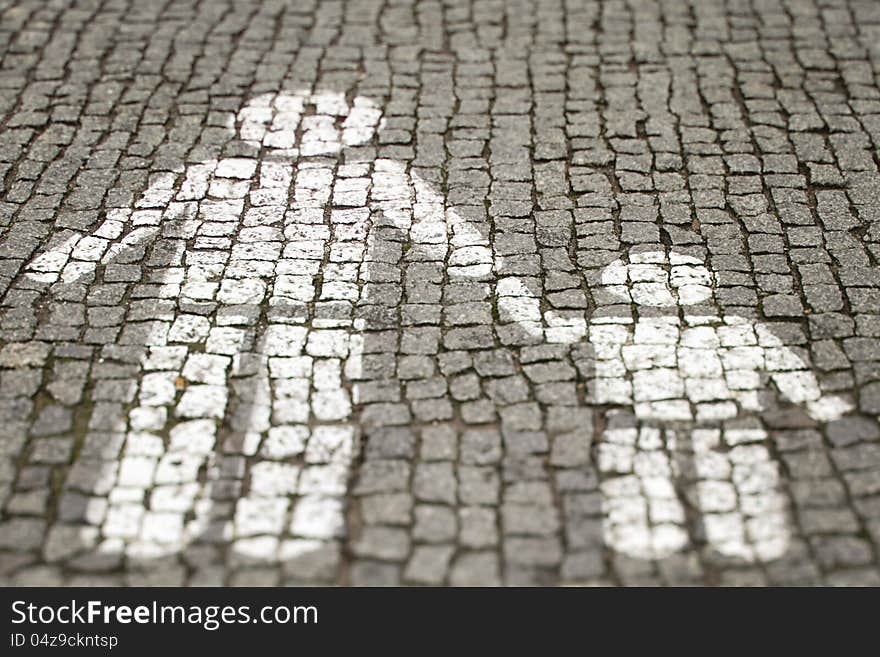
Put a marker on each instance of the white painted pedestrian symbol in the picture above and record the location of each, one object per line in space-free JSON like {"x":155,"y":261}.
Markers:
{"x":679,"y":380}
{"x":235,"y":235}
{"x":241,"y":427}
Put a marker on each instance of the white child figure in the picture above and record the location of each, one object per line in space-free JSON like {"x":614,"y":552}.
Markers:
{"x":679,"y":380}
{"x":297,"y":226}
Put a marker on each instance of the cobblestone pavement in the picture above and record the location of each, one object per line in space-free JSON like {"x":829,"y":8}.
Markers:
{"x":440,"y":292}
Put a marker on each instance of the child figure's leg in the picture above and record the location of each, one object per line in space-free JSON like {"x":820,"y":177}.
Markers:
{"x":743,"y":510}
{"x":643,"y":517}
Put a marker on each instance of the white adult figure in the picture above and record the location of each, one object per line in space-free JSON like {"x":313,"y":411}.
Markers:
{"x":683,"y":381}
{"x":296,"y":227}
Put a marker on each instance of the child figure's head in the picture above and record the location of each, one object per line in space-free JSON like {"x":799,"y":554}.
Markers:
{"x":303,"y":123}
{"x":658,"y":279}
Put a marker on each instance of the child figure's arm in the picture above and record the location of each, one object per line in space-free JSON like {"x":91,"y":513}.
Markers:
{"x":520,"y":306}
{"x":802,"y":387}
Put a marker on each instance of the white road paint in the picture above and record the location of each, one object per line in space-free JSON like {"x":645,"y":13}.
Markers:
{"x":294,"y":412}
{"x":683,"y":382}
{"x":675,"y":381}
{"x":688,"y":382}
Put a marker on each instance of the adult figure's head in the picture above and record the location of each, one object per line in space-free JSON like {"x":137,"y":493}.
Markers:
{"x":658,"y":279}
{"x":303,"y":123}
